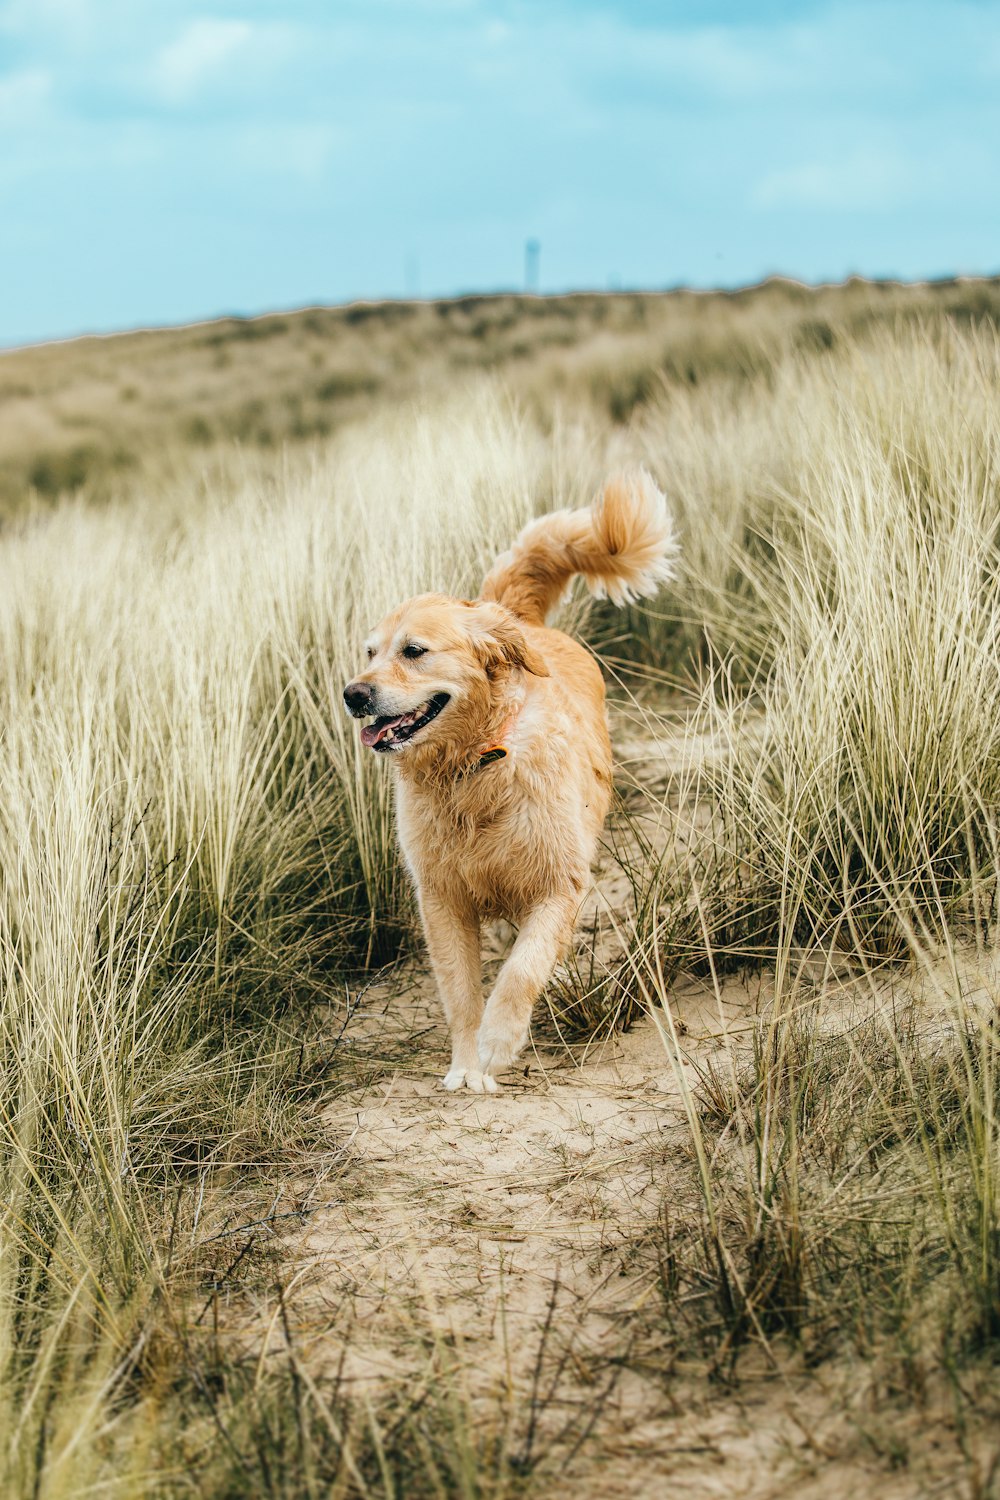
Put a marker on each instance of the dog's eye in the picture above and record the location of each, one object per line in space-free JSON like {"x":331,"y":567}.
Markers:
{"x":369,"y":652}
{"x":412,"y":651}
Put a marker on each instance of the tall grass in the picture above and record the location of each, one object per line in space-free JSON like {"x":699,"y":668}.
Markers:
{"x":193,"y":850}
{"x":850,"y":591}
{"x":844,"y":1163}
{"x":190,"y":844}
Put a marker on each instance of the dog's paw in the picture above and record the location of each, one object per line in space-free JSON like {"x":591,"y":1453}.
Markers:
{"x":471,"y":1078}
{"x":480,"y":1083}
{"x":499,"y":1046}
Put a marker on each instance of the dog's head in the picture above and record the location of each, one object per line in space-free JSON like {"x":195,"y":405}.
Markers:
{"x":433,"y":667}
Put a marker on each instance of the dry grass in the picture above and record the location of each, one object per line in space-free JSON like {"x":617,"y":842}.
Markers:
{"x":194,"y":854}
{"x":100,"y":414}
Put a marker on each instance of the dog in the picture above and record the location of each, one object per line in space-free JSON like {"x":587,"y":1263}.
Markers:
{"x":497,"y":731}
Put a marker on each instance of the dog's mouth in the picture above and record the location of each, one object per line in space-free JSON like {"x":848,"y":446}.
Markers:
{"x":388,"y":733}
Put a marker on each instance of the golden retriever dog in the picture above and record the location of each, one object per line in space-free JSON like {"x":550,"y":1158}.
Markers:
{"x":497,"y":732}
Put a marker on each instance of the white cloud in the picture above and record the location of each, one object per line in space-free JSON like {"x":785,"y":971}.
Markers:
{"x":203,"y":48}
{"x":25,"y":97}
{"x":860,"y":179}
{"x":33,"y":17}
{"x":733,"y":63}
{"x":302,"y":151}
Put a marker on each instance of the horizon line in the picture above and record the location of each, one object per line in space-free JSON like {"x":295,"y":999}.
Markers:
{"x":678,"y":289}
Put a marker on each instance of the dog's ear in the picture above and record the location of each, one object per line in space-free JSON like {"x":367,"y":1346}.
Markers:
{"x":499,"y":641}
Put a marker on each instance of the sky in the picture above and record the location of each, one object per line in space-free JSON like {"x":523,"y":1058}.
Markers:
{"x":164,"y":161}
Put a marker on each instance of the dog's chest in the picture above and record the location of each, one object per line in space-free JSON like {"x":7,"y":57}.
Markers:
{"x":499,"y":845}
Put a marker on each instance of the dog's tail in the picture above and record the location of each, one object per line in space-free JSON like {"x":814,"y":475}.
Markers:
{"x":625,"y":546}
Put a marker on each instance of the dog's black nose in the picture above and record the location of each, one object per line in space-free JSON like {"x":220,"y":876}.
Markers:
{"x":359,"y":697}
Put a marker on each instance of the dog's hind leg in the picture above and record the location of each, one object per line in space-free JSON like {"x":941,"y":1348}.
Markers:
{"x":453,"y":944}
{"x":543,"y":939}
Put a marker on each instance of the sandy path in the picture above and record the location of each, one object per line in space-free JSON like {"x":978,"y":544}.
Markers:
{"x":492,"y":1227}
{"x":476,"y":1211}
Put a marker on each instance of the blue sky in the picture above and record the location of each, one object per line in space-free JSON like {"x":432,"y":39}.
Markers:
{"x":167,"y":160}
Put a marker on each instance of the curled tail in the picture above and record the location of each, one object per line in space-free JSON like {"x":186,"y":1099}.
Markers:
{"x":624,"y":545}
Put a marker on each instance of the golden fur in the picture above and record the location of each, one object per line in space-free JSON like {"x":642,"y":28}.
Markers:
{"x":513,"y":837}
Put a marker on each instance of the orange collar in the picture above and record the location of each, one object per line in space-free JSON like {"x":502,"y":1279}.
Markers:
{"x":497,"y":750}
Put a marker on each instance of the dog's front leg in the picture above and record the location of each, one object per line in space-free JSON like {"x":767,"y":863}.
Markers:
{"x":541,"y":942}
{"x":453,"y":943}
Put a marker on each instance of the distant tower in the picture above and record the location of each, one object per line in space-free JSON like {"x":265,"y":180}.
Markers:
{"x":412,"y":277}
{"x":532,"y":261}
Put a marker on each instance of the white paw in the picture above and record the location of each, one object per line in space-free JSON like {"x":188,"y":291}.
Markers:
{"x":478,"y":1083}
{"x":499,"y":1046}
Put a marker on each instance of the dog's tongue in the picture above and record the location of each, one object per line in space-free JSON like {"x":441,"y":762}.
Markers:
{"x":372,"y":733}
